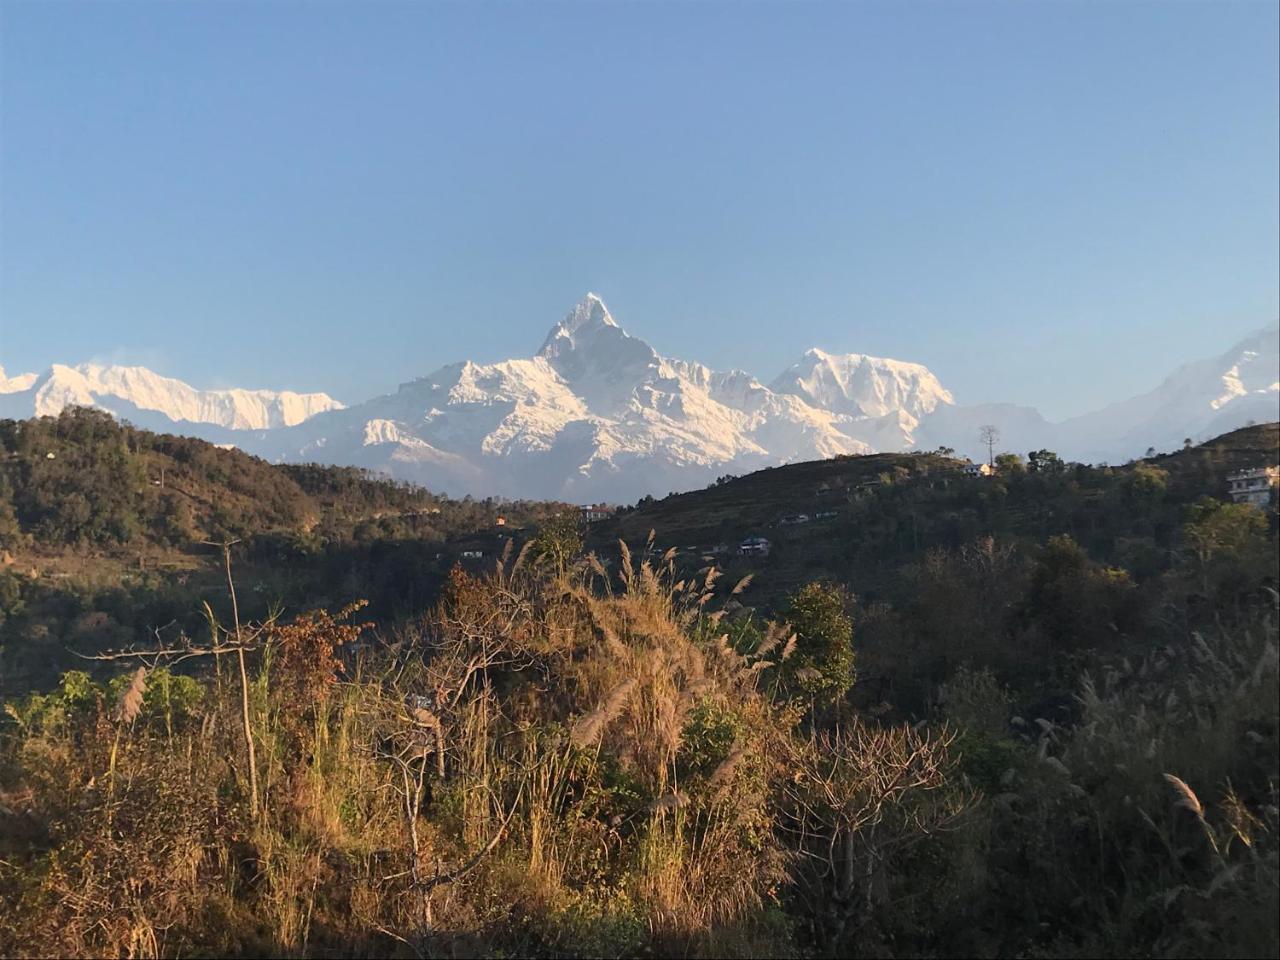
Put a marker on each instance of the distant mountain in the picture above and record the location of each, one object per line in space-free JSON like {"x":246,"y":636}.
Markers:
{"x":598,"y":414}
{"x":1198,"y":401}
{"x":153,"y":401}
{"x":859,"y":386}
{"x":1021,"y":429}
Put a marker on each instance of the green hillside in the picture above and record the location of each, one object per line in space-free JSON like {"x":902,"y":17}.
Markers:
{"x":869,"y":517}
{"x":104,"y":530}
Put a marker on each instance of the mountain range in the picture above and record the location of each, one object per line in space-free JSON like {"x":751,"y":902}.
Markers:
{"x":598,"y":414}
{"x":150,"y":400}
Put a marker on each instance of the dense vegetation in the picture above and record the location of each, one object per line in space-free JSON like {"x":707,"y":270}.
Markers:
{"x":1033,"y":716}
{"x":104,"y":530}
{"x":82,"y":479}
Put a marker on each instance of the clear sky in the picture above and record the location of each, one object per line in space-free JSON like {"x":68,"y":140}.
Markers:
{"x":1047,"y":203}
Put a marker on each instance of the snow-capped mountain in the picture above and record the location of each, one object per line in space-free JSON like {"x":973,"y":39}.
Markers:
{"x":16,"y":384}
{"x":882,"y":399}
{"x":859,"y":386}
{"x":598,"y":414}
{"x":1199,"y":401}
{"x":150,"y":400}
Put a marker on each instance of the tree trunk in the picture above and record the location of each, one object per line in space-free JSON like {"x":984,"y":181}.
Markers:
{"x":244,"y":689}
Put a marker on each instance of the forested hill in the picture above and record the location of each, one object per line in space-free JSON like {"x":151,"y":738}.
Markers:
{"x":104,"y":532}
{"x":103,"y":529}
{"x":84,"y":480}
{"x":868,"y":519}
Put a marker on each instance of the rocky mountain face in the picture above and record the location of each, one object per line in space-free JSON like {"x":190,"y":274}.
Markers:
{"x":598,"y":414}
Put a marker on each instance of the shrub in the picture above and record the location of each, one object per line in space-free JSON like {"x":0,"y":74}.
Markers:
{"x":822,"y":667}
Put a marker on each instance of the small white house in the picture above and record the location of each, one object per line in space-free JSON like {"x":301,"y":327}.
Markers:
{"x":472,"y":554}
{"x":754,"y":547}
{"x":1256,"y":486}
{"x":593,"y":513}
{"x":978,"y":470}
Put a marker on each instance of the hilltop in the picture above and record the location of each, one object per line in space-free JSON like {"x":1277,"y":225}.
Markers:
{"x":868,"y":516}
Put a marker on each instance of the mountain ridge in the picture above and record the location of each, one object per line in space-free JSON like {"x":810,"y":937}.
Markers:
{"x":108,"y":386}
{"x":598,"y":413}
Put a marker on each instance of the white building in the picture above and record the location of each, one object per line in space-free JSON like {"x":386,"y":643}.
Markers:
{"x":592,"y":513}
{"x":978,"y":470}
{"x":1256,"y":485}
{"x":754,"y":547}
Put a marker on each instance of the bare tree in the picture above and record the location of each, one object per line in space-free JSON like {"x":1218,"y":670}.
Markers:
{"x":407,"y":748}
{"x":244,"y":674}
{"x":863,"y":794}
{"x":989,"y":435}
{"x":240,"y":639}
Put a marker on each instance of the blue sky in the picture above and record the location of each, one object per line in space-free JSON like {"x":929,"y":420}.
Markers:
{"x":1049,"y":203}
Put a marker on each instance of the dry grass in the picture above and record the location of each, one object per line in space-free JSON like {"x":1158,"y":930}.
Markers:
{"x":580,"y":763}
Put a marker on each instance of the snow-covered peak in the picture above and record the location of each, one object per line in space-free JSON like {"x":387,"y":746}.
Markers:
{"x":130,"y":391}
{"x":22,"y":381}
{"x":858,"y":385}
{"x":602,"y":362}
{"x":1198,"y":400}
{"x":1251,"y":367}
{"x":598,"y":414}
{"x":587,"y":311}
{"x":588,"y":318}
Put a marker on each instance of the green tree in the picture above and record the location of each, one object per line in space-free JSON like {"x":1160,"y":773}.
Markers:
{"x":10,"y":530}
{"x":559,"y":540}
{"x":1075,"y":602}
{"x":822,"y":666}
{"x":1044,"y":461}
{"x":1230,"y":545}
{"x":1147,"y":482}
{"x":1009,"y":464}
